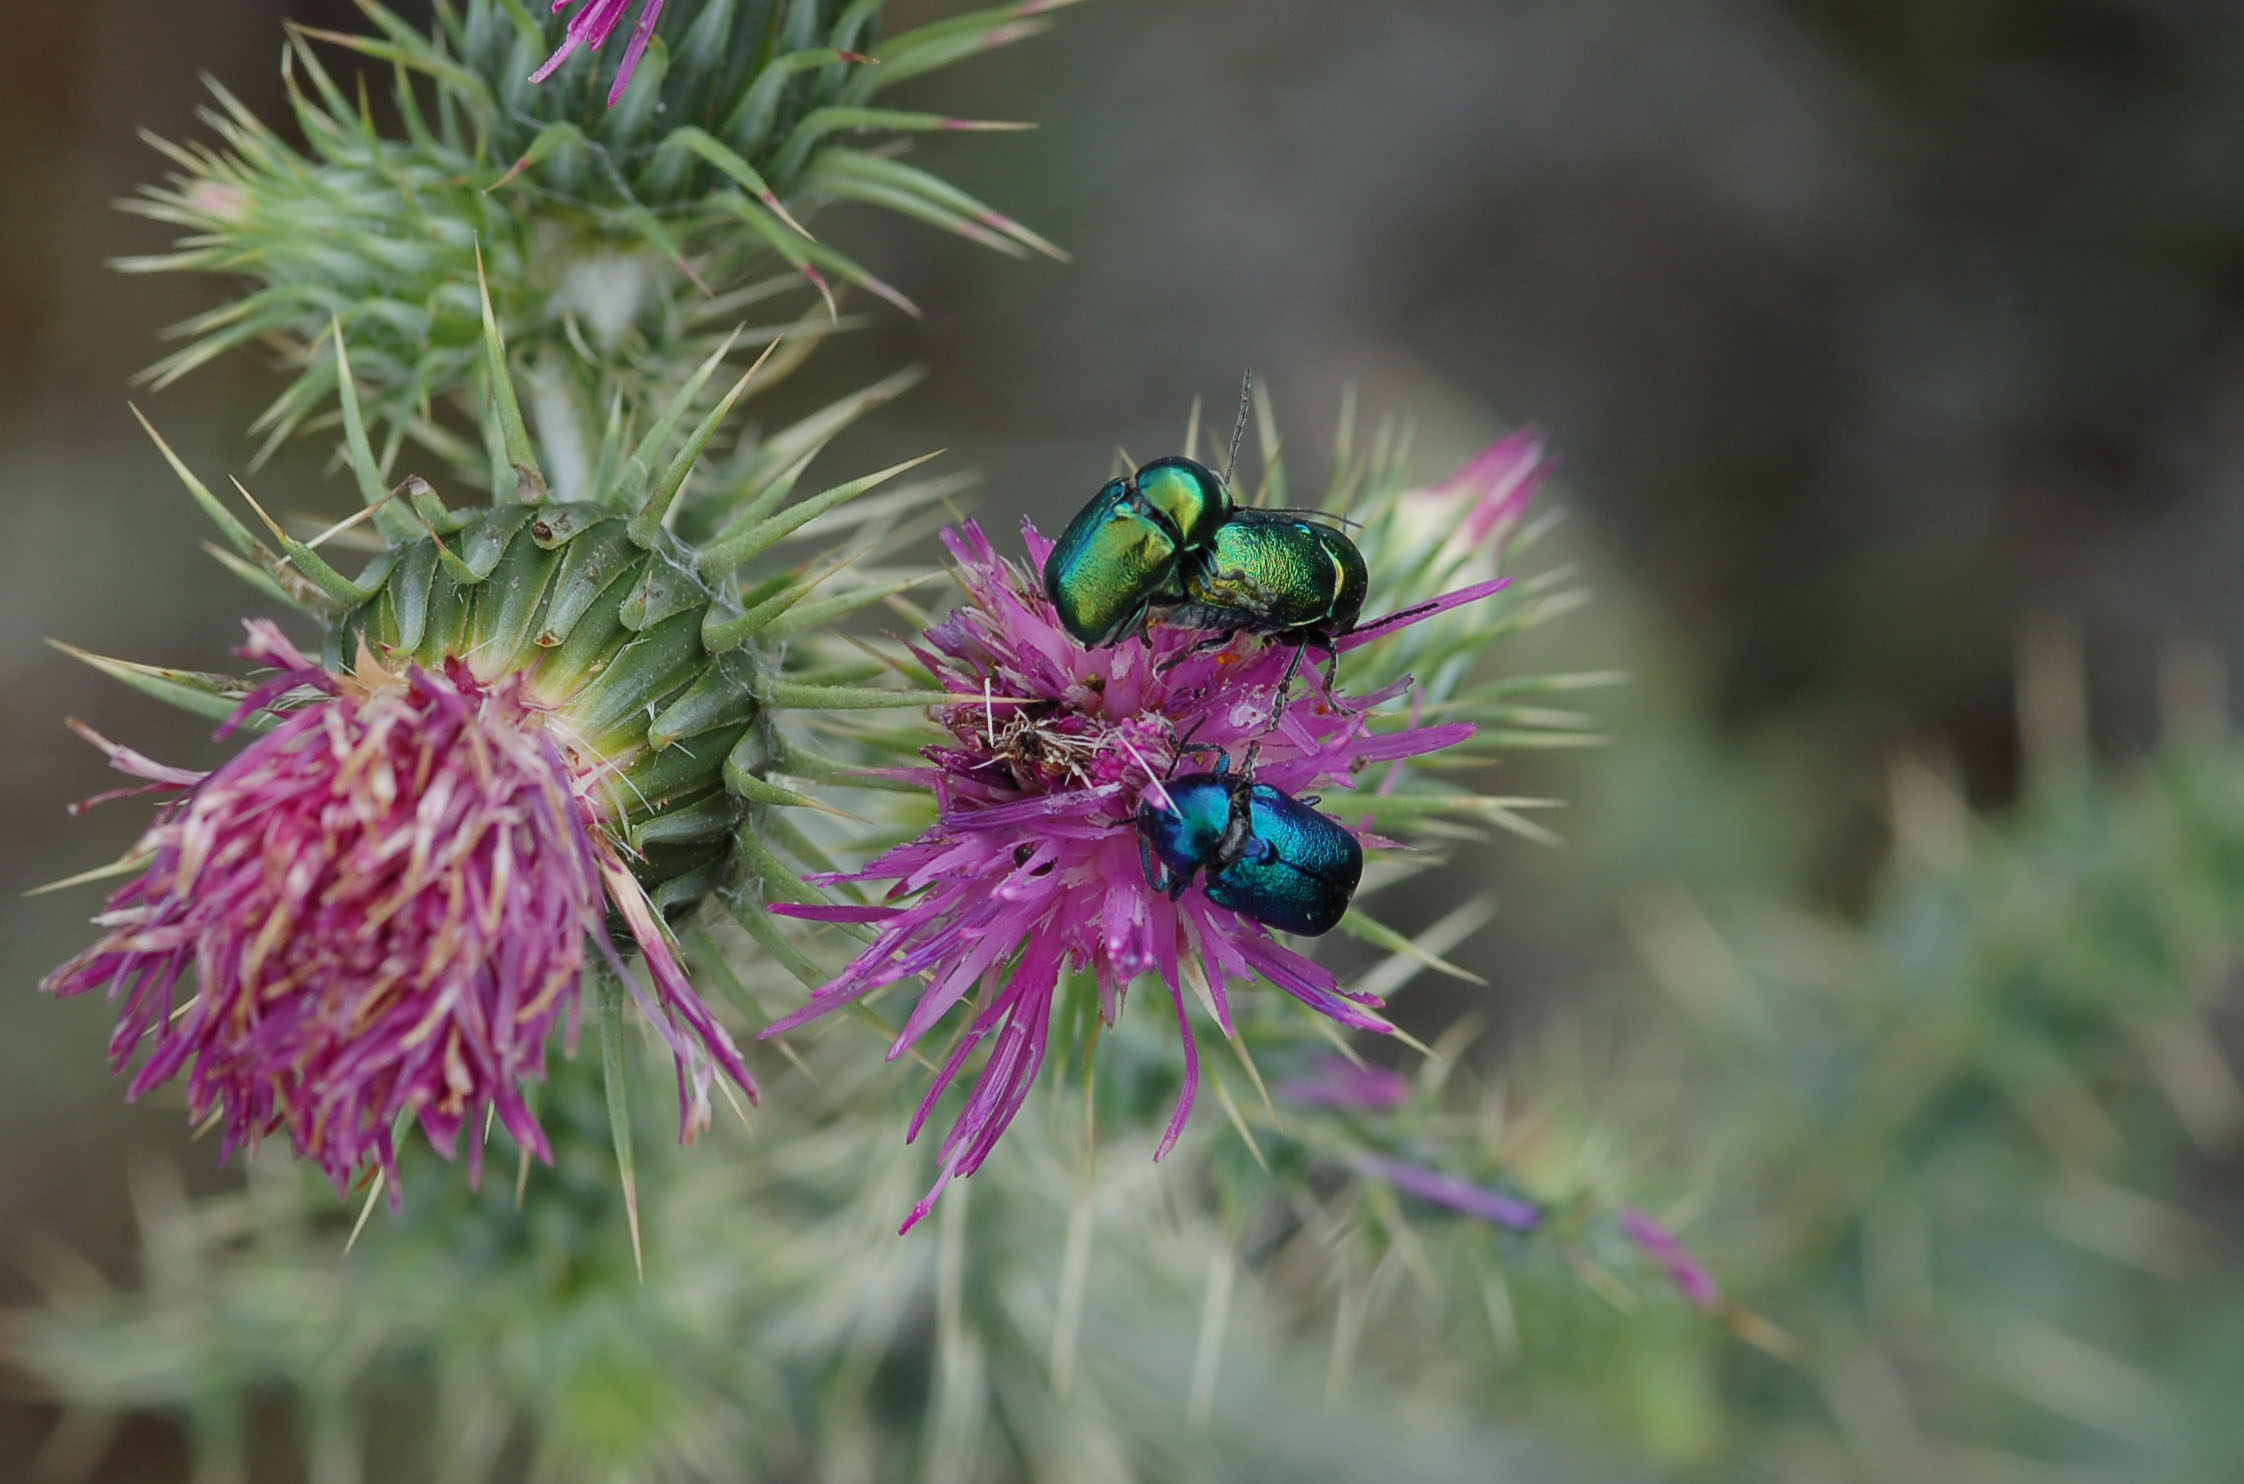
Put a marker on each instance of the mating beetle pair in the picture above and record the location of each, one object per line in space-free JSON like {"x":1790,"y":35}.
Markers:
{"x":1169,"y":537}
{"x":1267,"y":854}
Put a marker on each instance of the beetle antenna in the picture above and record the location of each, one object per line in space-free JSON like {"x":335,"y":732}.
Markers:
{"x":1239,"y":428}
{"x":1152,"y":780}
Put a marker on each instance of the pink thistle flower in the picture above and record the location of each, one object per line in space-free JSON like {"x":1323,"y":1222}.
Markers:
{"x":1480,"y":505}
{"x":384,"y":901}
{"x":1032,"y":869}
{"x":592,"y":26}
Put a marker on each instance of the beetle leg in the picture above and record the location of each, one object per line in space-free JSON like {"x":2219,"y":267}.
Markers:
{"x":1223,"y":759}
{"x":1285,"y":686}
{"x":1332,"y":668}
{"x":1154,"y":874}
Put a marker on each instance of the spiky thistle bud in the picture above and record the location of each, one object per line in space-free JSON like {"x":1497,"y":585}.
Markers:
{"x":640,"y":231}
{"x":536,"y":724}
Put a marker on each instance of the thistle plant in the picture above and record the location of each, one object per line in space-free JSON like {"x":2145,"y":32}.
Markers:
{"x":594,"y":715}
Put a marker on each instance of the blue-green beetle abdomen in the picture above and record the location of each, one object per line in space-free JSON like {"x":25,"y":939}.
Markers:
{"x":1299,"y":871}
{"x":1266,"y":854}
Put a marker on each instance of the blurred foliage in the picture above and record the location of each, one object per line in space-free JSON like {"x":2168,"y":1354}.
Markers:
{"x":1971,"y":1148}
{"x":1068,"y":1317}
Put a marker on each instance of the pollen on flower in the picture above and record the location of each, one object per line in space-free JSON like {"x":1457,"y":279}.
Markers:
{"x":1033,"y":869}
{"x":379,"y":910}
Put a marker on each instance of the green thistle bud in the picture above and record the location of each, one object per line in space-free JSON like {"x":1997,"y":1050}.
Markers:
{"x":623,"y":243}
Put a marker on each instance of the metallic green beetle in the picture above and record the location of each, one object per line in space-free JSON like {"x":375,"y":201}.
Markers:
{"x":1124,"y":550}
{"x":1274,"y":572}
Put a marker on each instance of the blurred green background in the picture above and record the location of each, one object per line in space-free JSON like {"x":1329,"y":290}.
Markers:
{"x":1873,"y":338}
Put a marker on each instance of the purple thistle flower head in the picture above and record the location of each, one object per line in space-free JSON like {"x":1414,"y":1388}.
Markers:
{"x":1350,"y":1086}
{"x":1682,"y":1266}
{"x":1496,"y":1207}
{"x":1032,"y":869}
{"x":384,"y":903}
{"x":591,"y":27}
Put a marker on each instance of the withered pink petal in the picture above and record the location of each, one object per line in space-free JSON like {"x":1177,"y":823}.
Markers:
{"x":377,"y":910}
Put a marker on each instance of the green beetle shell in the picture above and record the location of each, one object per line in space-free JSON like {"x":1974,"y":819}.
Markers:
{"x":1122,"y":551}
{"x":1274,"y":574}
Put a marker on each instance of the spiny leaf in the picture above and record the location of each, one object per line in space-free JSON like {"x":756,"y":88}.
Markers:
{"x":1362,"y":926}
{"x":307,"y":561}
{"x":801,"y":696}
{"x":635,"y":484}
{"x":650,"y":516}
{"x":827,"y":610}
{"x":609,"y":993}
{"x":203,"y":693}
{"x":728,"y":552}
{"x":722,"y":634}
{"x":257,"y":577}
{"x":780,"y":459}
{"x":231,"y":527}
{"x":892,"y":183}
{"x":700,"y":142}
{"x":395,"y":524}
{"x":125,"y":865}
{"x":939,"y":44}
{"x":820,"y":122}
{"x":764,"y":928}
{"x":759,"y":105}
{"x":531,"y":482}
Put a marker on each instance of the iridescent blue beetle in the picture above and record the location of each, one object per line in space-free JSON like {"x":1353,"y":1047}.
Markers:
{"x":1266,"y":854}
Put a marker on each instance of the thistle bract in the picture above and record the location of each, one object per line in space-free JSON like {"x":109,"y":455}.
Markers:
{"x":386,"y":900}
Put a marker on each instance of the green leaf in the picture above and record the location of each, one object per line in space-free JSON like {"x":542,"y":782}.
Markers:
{"x":807,"y":697}
{"x":708,"y":147}
{"x":530,"y":479}
{"x":201,"y":692}
{"x":394,"y":523}
{"x":730,"y":549}
{"x":608,"y":990}
{"x":820,"y":122}
{"x":659,"y":495}
{"x":228,"y":524}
